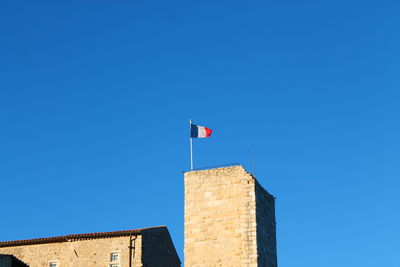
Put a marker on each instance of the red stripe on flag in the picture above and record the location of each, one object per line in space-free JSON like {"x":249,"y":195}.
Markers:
{"x":208,"y":132}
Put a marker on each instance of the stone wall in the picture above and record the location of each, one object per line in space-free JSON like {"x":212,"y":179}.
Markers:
{"x":80,"y":253}
{"x":266,"y":227}
{"x":158,"y":249}
{"x":221,"y":224}
{"x":11,"y":261}
{"x":220,"y":219}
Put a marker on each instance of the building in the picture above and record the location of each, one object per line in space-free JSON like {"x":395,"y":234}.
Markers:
{"x":229,"y":220}
{"x":131,"y":248}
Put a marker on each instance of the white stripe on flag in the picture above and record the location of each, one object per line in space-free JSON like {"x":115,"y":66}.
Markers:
{"x":201,"y":131}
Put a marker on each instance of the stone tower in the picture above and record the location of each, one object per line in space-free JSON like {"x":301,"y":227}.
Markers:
{"x":229,"y":220}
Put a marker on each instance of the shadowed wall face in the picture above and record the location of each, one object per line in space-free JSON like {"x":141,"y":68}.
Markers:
{"x":11,"y":261}
{"x":266,"y":227}
{"x":221,"y":221}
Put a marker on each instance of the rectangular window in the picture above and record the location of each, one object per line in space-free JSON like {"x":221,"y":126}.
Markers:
{"x":114,"y":265}
{"x":53,"y":264}
{"x":114,"y":257}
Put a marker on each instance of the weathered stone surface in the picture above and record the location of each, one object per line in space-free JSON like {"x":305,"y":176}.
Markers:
{"x":266,"y":227}
{"x":229,"y":219}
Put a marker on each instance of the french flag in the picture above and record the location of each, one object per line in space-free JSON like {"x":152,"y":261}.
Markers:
{"x":197,"y":131}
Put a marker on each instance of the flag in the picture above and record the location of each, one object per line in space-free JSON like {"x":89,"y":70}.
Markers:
{"x":197,"y":131}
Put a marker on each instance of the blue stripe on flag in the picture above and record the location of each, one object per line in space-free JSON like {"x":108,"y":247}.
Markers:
{"x":194,"y":131}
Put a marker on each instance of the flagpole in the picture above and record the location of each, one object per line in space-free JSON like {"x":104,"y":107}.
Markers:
{"x":191,"y":146}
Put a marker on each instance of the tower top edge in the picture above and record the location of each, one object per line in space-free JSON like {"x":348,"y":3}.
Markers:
{"x":217,"y":168}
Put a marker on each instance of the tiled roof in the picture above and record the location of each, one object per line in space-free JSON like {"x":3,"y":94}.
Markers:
{"x":75,"y":237}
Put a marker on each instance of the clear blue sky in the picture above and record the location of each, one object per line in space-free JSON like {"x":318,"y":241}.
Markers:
{"x":95,"y":98}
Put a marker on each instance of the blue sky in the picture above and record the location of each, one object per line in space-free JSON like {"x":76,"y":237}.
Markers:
{"x":95,"y":99}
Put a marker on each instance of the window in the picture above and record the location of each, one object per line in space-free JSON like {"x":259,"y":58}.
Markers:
{"x":114,"y":259}
{"x":114,"y":256}
{"x":53,"y":264}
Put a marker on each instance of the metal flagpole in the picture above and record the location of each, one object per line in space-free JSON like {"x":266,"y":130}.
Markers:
{"x":191,"y":146}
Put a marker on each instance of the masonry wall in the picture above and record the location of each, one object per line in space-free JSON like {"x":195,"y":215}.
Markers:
{"x":81,"y":253}
{"x":220,"y":219}
{"x":10,"y":261}
{"x":222,"y":227}
{"x":158,"y":249}
{"x":266,"y":227}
